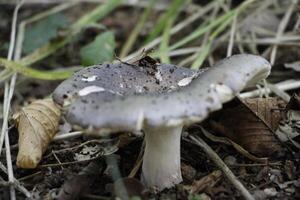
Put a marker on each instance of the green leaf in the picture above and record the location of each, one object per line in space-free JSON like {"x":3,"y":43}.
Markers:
{"x":91,"y":17}
{"x":43,"y":31}
{"x":100,"y":50}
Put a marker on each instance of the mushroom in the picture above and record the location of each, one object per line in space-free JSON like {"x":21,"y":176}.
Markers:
{"x":162,"y":115}
{"x":121,"y":79}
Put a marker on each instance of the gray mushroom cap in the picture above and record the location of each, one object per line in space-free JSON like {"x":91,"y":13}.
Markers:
{"x":120,"y":79}
{"x":191,"y":103}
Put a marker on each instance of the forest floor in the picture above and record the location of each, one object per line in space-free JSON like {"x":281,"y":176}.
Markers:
{"x":256,"y":135}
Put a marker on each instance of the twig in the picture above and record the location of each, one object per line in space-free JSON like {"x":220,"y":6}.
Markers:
{"x":96,"y":141}
{"x":16,"y":183}
{"x":138,"y":162}
{"x":219,"y":162}
{"x":255,"y":164}
{"x":11,"y":177}
{"x":284,"y":86}
{"x":68,"y":163}
{"x":67,"y":136}
{"x":29,"y":176}
{"x":9,"y":88}
{"x":282,"y":94}
{"x":56,"y":158}
{"x":282,"y":40}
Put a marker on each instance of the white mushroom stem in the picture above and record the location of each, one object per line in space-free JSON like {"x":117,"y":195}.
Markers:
{"x":161,"y":162}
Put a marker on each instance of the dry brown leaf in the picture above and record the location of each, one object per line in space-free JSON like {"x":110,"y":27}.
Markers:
{"x":37,"y":124}
{"x":251,"y":124}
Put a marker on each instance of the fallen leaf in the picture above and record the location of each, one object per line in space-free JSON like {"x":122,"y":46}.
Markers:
{"x":251,"y":123}
{"x":43,"y":31}
{"x":37,"y":124}
{"x":100,"y":50}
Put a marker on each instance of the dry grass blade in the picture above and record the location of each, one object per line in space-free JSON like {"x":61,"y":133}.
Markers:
{"x":9,"y":88}
{"x":282,"y":27}
{"x":37,"y":124}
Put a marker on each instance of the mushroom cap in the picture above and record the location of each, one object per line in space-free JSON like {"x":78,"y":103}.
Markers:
{"x":120,"y":79}
{"x":186,"y":105}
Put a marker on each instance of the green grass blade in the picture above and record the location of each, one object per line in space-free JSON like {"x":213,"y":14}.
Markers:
{"x":33,"y":73}
{"x":137,"y":29}
{"x":202,"y":30}
{"x":97,"y":14}
{"x":206,"y":49}
{"x":163,"y":49}
{"x":162,"y":21}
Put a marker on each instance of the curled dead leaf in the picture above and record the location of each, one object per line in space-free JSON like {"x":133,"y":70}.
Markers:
{"x":37,"y":124}
{"x":251,"y":123}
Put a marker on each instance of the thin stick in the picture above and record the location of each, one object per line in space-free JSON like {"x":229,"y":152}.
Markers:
{"x":284,"y":86}
{"x":10,"y":168}
{"x":7,"y":99}
{"x":283,"y":40}
{"x":138,"y":162}
{"x":219,"y":162}
{"x":66,"y":136}
{"x":16,"y":183}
